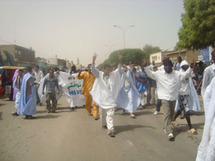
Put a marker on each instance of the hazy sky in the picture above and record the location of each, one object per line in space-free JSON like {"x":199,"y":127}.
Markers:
{"x":78,"y":28}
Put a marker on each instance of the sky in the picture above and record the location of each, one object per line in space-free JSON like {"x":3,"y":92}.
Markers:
{"x":69,"y":29}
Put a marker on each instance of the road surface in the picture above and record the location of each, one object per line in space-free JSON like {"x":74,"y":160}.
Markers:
{"x":72,"y":135}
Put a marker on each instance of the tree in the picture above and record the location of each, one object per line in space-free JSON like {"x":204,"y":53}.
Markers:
{"x":198,"y":23}
{"x":149,"y":49}
{"x":128,"y":55}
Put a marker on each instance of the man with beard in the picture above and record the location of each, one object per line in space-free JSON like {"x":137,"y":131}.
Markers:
{"x":168,"y":84}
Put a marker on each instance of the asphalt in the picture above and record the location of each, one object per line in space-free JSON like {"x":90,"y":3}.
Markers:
{"x":73,"y":135}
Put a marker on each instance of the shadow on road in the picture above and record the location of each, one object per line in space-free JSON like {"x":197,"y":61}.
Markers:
{"x":136,"y":113}
{"x":47,"y":117}
{"x":42,"y":111}
{"x":184,"y":128}
{"x":198,"y":113}
{"x":124,"y":128}
{"x":0,"y":115}
{"x":1,"y":104}
{"x":63,"y":108}
{"x":143,"y":113}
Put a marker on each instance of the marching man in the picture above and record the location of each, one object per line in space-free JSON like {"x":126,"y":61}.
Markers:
{"x":105,"y":91}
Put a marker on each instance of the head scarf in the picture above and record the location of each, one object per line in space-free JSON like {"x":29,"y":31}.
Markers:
{"x":167,"y":63}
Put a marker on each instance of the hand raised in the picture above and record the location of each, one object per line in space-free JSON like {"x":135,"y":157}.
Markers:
{"x":94,"y":57}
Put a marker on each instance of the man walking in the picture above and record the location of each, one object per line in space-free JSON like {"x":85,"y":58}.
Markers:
{"x":27,"y":104}
{"x":168,"y":84}
{"x":50,"y":83}
{"x":88,"y":81}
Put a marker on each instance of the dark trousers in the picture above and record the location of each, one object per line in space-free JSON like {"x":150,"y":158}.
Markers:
{"x":158,"y":105}
{"x":51,"y":97}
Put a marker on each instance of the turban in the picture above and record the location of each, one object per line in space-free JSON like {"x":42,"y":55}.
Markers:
{"x":167,"y":63}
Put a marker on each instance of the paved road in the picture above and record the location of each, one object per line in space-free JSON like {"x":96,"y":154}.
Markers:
{"x":74,"y":136}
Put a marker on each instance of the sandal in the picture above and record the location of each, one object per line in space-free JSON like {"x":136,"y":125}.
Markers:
{"x":192,"y":131}
{"x":132,"y":115}
{"x":111,"y":133}
{"x":174,"y":123}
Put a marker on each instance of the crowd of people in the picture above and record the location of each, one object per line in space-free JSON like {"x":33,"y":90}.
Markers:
{"x":170,"y":86}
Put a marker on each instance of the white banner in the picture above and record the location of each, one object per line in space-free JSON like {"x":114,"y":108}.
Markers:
{"x":72,"y":87}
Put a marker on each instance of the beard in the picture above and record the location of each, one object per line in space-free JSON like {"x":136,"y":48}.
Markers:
{"x":168,"y":71}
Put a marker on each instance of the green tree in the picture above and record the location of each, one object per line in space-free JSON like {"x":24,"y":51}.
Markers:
{"x":149,"y":49}
{"x":128,"y":55}
{"x":198,"y":23}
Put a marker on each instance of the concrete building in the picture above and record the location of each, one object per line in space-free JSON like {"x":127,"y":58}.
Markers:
{"x":188,"y":55}
{"x":21,"y":55}
{"x":157,"y":58}
{"x":61,"y":63}
{"x":42,"y":62}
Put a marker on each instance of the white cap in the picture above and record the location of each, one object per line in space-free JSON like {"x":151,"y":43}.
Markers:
{"x":184,"y":62}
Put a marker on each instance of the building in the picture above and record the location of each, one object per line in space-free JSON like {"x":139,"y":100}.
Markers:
{"x":157,"y":58}
{"x":188,"y":55}
{"x":61,"y":63}
{"x":41,"y":62}
{"x":21,"y":55}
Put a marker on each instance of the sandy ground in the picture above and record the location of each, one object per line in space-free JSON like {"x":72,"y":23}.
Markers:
{"x":75,"y":136}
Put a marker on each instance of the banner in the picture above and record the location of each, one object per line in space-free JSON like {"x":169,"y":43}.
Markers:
{"x":71,"y":87}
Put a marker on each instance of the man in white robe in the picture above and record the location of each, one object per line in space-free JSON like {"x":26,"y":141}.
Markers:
{"x":168,"y":84}
{"x":187,"y":99}
{"x":209,"y":73}
{"x":105,"y":92}
{"x":206,"y":149}
{"x":18,"y":85}
{"x":38,"y":76}
{"x":128,"y":98}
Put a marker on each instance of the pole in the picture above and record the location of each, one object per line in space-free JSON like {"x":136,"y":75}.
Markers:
{"x":123,"y":32}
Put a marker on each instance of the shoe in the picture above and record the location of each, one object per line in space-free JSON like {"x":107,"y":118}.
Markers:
{"x":171,"y":137}
{"x":111,"y":133}
{"x":156,"y":112}
{"x":132,"y":115}
{"x":29,"y":117}
{"x":96,"y":118}
{"x":105,"y":127}
{"x":174,"y":123}
{"x":15,"y":114}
